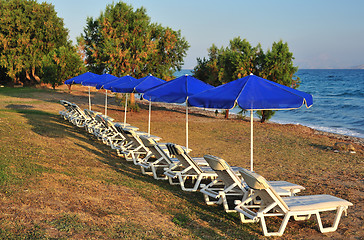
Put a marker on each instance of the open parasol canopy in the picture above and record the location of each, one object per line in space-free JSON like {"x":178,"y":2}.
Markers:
{"x":252,"y":93}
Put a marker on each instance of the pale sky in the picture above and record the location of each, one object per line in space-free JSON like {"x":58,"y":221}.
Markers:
{"x":320,"y":33}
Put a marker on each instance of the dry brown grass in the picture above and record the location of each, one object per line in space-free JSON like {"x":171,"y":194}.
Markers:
{"x":56,"y":181}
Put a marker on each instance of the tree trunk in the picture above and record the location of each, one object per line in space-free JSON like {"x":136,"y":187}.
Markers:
{"x":27,"y":75}
{"x":227,"y":114}
{"x":132,"y":98}
{"x":35,"y":76}
{"x":263,"y":117}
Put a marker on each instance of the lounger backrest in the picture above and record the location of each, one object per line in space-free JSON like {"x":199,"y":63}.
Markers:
{"x":91,"y":114}
{"x":66,"y":105}
{"x":63,"y":102}
{"x":110,"y":125}
{"x":78,"y":110}
{"x":133,"y":137}
{"x":155,"y":148}
{"x":224,"y":171}
{"x":183,"y":157}
{"x":261,"y":185}
{"x":99,"y":118}
{"x":119,"y":128}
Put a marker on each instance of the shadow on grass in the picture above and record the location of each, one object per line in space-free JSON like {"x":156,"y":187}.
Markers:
{"x":53,"y":126}
{"x":214,"y":215}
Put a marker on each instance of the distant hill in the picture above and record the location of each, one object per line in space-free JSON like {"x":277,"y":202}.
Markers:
{"x":359,"y":67}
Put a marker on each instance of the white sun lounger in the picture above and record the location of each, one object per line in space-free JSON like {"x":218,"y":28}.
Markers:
{"x":230,"y":186}
{"x":161,"y":159}
{"x":300,"y":207}
{"x":187,"y":169}
{"x":73,"y":113}
{"x":92,"y":124}
{"x":70,"y":112}
{"x":136,"y":151}
{"x":67,"y":111}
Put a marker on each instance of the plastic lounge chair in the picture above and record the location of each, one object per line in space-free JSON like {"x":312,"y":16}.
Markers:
{"x":70,"y":111}
{"x":67,"y":109}
{"x":135,"y":150}
{"x":109,"y":134}
{"x":91,"y":124}
{"x":73,"y":113}
{"x":103,"y":131}
{"x":155,"y":166}
{"x":230,"y":186}
{"x":161,"y":159}
{"x":300,"y":207}
{"x":187,"y":169}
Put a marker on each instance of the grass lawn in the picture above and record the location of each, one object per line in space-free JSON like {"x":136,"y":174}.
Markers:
{"x":59,"y":182}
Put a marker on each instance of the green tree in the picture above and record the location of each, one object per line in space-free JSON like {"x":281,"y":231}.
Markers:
{"x":122,"y":41}
{"x":207,"y":70}
{"x":61,"y":64}
{"x":29,"y":31}
{"x":278,"y":67}
{"x":240,"y":59}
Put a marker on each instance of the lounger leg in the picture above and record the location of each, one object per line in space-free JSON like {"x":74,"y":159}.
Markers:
{"x":182,"y":182}
{"x":244,"y":220}
{"x":197,"y":183}
{"x":170,"y":179}
{"x":225,"y":204}
{"x":155,"y":175}
{"x":210,"y":202}
{"x":281,"y":228}
{"x":335,"y":223}
{"x":145,"y":172}
{"x":302,"y":217}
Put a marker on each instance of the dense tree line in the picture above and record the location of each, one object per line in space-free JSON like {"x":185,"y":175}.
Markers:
{"x":34,"y":48}
{"x":31,"y":32}
{"x":240,"y":59}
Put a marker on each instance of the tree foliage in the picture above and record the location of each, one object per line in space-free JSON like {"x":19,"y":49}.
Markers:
{"x":122,"y":41}
{"x":240,"y":59}
{"x":29,"y":31}
{"x":61,"y":64}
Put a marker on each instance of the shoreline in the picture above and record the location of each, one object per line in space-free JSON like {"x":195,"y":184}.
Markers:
{"x":234,"y":116}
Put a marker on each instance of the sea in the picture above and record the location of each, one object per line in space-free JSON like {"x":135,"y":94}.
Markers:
{"x":338,"y":101}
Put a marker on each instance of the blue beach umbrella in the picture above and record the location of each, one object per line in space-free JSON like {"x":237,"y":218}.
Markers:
{"x":177,"y":91}
{"x":100,"y":79}
{"x":115,"y":82}
{"x":139,"y":86}
{"x":79,"y":79}
{"x":108,"y":85}
{"x":252,"y":93}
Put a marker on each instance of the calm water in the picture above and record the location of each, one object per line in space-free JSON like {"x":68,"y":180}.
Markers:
{"x":338,"y":101}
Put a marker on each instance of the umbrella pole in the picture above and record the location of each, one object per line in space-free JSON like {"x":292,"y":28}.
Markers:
{"x":105,"y":102}
{"x":150,"y":109}
{"x":126,"y":107}
{"x":251,"y":140}
{"x":186,"y":126}
{"x":89,"y":99}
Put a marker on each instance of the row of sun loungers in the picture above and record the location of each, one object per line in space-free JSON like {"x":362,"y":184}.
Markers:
{"x":235,"y":188}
